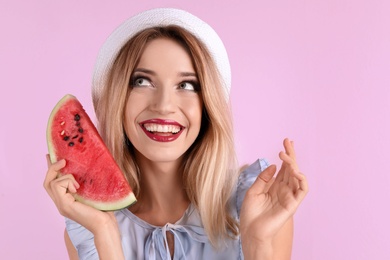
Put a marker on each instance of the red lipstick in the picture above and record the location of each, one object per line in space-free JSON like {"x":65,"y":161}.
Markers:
{"x":162,"y":130}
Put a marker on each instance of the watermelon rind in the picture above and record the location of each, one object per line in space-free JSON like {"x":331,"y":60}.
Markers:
{"x":108,"y":206}
{"x":51,"y":149}
{"x":101,"y":205}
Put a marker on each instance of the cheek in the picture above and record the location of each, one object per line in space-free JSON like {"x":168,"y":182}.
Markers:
{"x":130,"y":114}
{"x":135,"y":104}
{"x":194,"y":113}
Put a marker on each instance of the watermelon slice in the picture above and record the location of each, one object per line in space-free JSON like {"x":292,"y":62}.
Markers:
{"x":72,"y":136}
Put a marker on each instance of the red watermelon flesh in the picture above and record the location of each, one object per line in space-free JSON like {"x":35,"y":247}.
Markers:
{"x":72,"y":136}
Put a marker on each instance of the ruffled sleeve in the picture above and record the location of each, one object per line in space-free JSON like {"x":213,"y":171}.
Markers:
{"x":246,"y":179}
{"x":82,"y":240}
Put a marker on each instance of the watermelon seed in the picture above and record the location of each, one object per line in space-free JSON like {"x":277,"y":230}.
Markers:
{"x":81,"y":130}
{"x":74,"y":137}
{"x":81,"y":139}
{"x":66,"y":138}
{"x":63,"y":132}
{"x":71,"y":144}
{"x":77,"y":117}
{"x":63,"y":122}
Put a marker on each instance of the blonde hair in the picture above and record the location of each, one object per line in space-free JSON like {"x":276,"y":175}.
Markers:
{"x":209,"y":166}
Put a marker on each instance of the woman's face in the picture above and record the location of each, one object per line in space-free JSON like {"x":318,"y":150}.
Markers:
{"x":164,"y":109}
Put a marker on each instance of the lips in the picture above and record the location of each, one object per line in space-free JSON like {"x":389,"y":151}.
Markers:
{"x":162,"y":130}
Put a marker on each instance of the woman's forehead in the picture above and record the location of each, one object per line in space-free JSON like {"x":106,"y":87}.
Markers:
{"x":162,"y":54}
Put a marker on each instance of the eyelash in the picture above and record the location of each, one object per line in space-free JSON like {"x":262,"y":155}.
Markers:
{"x":135,"y":78}
{"x":194,"y":83}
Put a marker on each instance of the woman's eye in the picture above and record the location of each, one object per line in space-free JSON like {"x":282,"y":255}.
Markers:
{"x":188,"y":86}
{"x":141,"y":82}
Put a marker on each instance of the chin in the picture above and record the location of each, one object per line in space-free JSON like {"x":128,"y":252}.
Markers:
{"x":162,"y":156}
{"x":166,"y":157}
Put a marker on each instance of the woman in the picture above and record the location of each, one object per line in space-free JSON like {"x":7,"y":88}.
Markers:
{"x":160,"y":95}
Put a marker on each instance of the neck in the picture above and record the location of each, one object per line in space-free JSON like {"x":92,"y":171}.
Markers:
{"x":163,"y":198}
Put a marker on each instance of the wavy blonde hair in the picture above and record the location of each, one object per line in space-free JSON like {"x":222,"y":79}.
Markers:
{"x":209,"y":166}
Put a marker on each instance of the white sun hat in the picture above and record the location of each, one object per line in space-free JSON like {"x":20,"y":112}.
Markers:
{"x":160,"y":17}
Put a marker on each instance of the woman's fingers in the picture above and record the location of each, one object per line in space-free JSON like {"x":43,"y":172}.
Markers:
{"x":62,"y":190}
{"x":288,"y":160}
{"x":48,"y":161}
{"x":281,"y":174}
{"x":303,"y":187}
{"x":58,"y":186}
{"x":289,"y":147}
{"x":289,"y":152}
{"x":65,"y":184}
{"x":52,"y":171}
{"x":262,"y":181}
{"x":289,"y":164}
{"x":54,"y":168}
{"x":293,"y":182}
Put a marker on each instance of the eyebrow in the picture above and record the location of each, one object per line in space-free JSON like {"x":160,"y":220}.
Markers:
{"x":188,"y":74}
{"x":151,"y":72}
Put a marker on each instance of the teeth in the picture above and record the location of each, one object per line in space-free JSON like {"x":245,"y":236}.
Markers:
{"x":162,"y":128}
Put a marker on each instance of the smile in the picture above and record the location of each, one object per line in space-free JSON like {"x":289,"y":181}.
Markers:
{"x":153,"y":128}
{"x":162,"y":130}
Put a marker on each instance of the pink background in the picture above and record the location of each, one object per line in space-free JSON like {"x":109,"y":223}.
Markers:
{"x":315,"y":71}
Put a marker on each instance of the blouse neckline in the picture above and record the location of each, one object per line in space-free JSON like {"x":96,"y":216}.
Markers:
{"x":187,"y":213}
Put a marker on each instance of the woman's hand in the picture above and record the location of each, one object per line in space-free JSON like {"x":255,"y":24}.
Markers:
{"x":271,"y":202}
{"x":102,"y":224}
{"x":61,"y":190}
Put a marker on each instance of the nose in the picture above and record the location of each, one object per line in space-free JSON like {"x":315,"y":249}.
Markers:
{"x":164,"y":100}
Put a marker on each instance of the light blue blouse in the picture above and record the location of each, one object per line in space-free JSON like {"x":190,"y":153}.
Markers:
{"x":140,"y":240}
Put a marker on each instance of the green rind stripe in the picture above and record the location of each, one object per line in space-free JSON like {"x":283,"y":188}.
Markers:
{"x":50,"y":146}
{"x":108,"y":206}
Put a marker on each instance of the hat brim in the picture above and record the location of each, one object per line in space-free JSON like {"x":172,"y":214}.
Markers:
{"x":160,"y":17}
